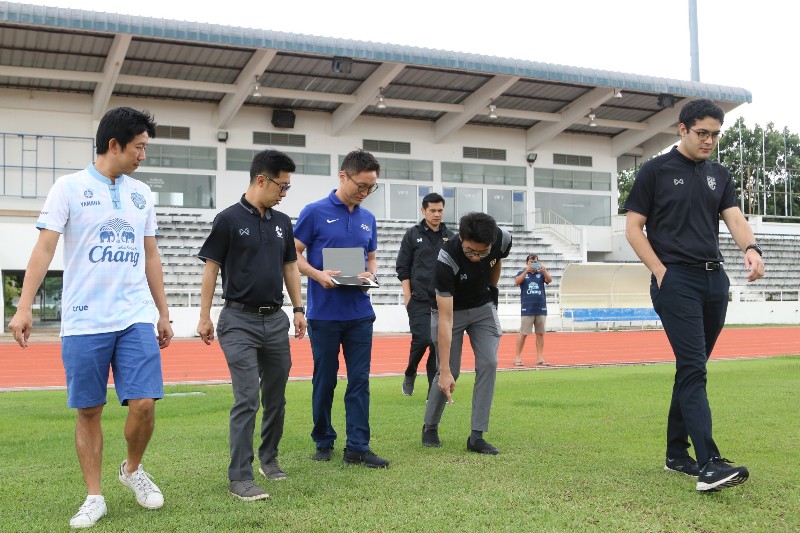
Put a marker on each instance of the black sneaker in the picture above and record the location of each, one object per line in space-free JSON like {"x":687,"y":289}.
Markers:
{"x":685,"y":465}
{"x":717,"y":474}
{"x":430,"y":437}
{"x":408,"y":384}
{"x":366,"y":458}
{"x":481,"y":446}
{"x":323,"y":454}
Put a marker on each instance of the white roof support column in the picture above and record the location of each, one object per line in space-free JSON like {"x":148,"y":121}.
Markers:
{"x":474,"y":104}
{"x":111,"y":69}
{"x":232,"y":102}
{"x":572,"y":113}
{"x":366,"y":94}
{"x":657,"y":124}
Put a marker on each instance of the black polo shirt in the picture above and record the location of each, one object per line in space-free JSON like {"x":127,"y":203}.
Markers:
{"x":251,"y":250}
{"x":682,"y":201}
{"x":465,"y":281}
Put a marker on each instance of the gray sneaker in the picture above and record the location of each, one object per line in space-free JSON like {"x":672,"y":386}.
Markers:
{"x":408,"y":384}
{"x":247,"y":491}
{"x":272,"y":470}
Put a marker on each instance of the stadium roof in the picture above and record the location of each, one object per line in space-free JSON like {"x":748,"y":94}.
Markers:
{"x":105,"y":54}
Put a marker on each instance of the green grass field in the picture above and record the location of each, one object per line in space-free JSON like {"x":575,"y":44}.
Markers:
{"x":582,"y":450}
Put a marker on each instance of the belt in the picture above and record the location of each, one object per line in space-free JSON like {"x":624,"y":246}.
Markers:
{"x":710,"y":265}
{"x":261,"y":310}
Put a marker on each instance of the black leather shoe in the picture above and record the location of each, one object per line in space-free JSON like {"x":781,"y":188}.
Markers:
{"x":481,"y":446}
{"x":323,"y":454}
{"x":430,"y":437}
{"x":366,"y":458}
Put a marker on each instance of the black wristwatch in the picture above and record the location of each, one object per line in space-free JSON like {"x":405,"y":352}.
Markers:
{"x":300,"y":309}
{"x":755,"y":247}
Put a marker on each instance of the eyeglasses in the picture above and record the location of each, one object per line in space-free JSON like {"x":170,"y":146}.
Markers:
{"x":363,"y":186}
{"x":703,"y":135}
{"x":283,"y":188}
{"x":479,"y":254}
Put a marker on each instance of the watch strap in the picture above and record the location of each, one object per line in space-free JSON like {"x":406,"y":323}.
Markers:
{"x":299,"y":310}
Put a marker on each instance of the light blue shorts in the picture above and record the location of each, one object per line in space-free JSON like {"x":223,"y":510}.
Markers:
{"x":132,"y":354}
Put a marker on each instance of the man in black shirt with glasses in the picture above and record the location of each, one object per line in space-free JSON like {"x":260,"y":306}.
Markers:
{"x":680,"y":197}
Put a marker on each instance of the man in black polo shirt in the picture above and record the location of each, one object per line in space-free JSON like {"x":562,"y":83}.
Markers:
{"x":415,"y":267}
{"x":467,"y":271}
{"x":679,"y":197}
{"x":254,"y":247}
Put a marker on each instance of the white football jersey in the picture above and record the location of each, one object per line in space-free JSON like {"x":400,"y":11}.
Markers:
{"x":104,"y":226}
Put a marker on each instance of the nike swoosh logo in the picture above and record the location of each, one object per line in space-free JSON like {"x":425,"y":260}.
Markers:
{"x":329,"y":220}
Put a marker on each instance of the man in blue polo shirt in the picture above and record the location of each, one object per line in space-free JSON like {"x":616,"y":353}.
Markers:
{"x":253,"y":245}
{"x":680,"y":197}
{"x":341,"y":315}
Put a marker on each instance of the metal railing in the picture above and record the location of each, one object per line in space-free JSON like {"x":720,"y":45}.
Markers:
{"x":559,"y":225}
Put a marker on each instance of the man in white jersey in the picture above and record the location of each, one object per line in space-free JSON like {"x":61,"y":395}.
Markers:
{"x":113,"y":294}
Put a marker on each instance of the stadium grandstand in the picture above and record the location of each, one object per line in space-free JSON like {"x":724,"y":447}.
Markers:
{"x":538,"y":146}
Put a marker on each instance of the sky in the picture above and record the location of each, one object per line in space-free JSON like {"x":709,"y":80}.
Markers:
{"x":741,"y":43}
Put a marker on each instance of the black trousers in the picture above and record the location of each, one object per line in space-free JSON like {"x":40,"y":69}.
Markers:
{"x":419,"y":322}
{"x":692,"y":303}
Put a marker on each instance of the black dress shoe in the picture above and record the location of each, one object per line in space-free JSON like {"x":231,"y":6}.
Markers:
{"x":430,"y":437}
{"x":366,"y":458}
{"x":481,"y":446}
{"x":323,"y":454}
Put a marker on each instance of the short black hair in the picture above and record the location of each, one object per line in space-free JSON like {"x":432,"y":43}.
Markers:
{"x":698,"y":110}
{"x":270,"y":163}
{"x":359,"y":161}
{"x":531,"y":256}
{"x":432,"y":198}
{"x":477,"y":227}
{"x":123,"y":124}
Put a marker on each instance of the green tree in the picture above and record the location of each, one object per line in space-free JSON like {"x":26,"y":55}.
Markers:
{"x":12,"y":289}
{"x":765,"y":163}
{"x":624,"y":184}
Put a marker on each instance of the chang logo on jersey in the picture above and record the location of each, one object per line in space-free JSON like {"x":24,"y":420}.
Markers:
{"x":117,"y":240}
{"x":138,"y":200}
{"x":533,"y":288}
{"x":712,"y":183}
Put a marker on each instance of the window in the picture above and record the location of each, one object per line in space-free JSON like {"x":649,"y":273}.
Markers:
{"x":495,"y":154}
{"x":571,"y":179}
{"x":172,"y":132}
{"x":181,"y":156}
{"x":403,"y":169}
{"x":279,"y":139}
{"x":180,"y":190}
{"x":479,"y":173}
{"x":573,"y":160}
{"x":391,"y":147}
{"x":309,"y":164}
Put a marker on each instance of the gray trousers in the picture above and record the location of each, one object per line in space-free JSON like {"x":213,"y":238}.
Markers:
{"x":483,"y":327}
{"x":256,"y":348}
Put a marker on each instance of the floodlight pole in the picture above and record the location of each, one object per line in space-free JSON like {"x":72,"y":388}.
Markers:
{"x":694,"y":48}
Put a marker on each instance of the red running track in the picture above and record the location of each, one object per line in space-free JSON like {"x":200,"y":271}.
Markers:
{"x":189,"y":360}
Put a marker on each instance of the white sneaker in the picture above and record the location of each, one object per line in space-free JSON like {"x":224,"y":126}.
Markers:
{"x":92,"y":510}
{"x":147,"y":494}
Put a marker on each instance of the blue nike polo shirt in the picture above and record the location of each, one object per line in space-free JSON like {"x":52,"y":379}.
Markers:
{"x":328,"y":223}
